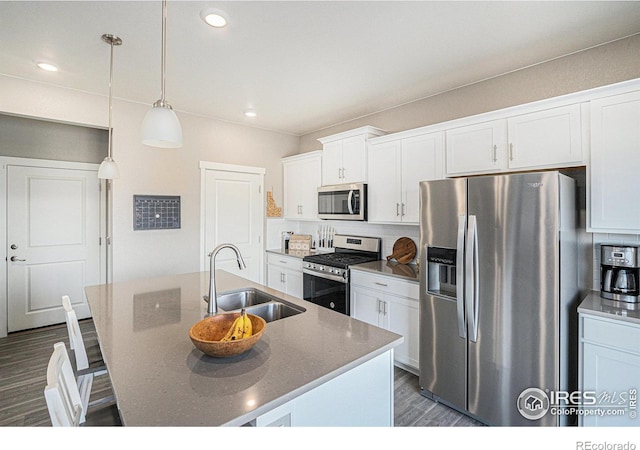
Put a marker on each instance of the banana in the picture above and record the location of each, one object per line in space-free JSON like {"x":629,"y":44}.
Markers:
{"x":248,"y":328}
{"x":235,"y":332}
{"x":240,"y":329}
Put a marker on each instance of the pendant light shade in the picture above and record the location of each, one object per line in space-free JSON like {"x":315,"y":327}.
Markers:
{"x":108,"y":168}
{"x":161,"y":127}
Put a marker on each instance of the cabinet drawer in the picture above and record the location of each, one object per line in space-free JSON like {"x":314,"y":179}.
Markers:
{"x":287,"y":262}
{"x":621,"y":335}
{"x":385,"y":283}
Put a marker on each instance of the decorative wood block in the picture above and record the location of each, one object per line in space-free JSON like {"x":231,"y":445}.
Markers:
{"x":272,"y":209}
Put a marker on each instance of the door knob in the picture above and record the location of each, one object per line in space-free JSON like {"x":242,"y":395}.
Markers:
{"x":15,"y":259}
{"x":14,"y":247}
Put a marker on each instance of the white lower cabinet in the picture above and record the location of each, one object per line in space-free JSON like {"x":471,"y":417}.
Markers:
{"x":610,"y":369}
{"x":284,"y":273}
{"x":392,"y":304}
{"x":362,"y":396}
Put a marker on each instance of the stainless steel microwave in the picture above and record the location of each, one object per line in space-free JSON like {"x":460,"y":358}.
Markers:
{"x":343,"y":202}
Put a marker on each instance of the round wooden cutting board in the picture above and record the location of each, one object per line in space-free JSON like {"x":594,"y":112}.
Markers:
{"x":404,"y":250}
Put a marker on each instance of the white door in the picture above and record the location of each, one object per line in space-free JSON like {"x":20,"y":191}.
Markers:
{"x":53,"y":249}
{"x":233,"y":213}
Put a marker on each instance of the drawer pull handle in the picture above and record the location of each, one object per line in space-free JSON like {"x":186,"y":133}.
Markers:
{"x":381,"y":284}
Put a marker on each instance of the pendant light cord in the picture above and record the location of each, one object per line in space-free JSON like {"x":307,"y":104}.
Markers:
{"x":110,"y":98}
{"x":164,"y":47}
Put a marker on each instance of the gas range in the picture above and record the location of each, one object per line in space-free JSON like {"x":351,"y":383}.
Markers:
{"x":335,"y":265}
{"x":326,"y":275}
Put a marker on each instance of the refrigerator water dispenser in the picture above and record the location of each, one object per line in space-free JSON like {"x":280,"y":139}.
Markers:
{"x":441,"y":272}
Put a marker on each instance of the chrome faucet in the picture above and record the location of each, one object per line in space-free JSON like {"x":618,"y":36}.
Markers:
{"x":212,"y":307}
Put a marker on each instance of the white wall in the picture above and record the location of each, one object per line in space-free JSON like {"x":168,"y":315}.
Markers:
{"x":147,"y":170}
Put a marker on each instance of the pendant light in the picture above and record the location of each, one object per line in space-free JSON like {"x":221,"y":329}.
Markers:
{"x":108,"y":168}
{"x":161,"y":127}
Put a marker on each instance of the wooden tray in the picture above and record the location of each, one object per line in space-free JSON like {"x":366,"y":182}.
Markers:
{"x":404,"y":251}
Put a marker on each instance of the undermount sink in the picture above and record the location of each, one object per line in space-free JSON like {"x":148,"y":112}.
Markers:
{"x":275,"y":310}
{"x":242,"y":299}
{"x":258,"y":303}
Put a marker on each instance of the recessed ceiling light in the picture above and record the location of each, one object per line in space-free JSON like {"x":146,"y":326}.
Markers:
{"x":250,"y":113}
{"x":48,"y":67}
{"x":214,"y":17}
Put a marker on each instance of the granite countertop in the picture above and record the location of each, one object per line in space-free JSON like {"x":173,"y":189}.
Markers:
{"x":408,"y":272}
{"x":160,"y":379}
{"x":596,"y":305}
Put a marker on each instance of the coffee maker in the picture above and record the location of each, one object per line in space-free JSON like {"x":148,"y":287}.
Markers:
{"x":619,"y":273}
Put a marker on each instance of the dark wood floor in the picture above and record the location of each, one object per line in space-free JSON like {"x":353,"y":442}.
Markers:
{"x":23,"y":366}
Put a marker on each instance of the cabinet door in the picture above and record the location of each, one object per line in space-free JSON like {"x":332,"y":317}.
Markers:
{"x":615,"y":164}
{"x":274,"y":277}
{"x":354,"y":160}
{"x":332,"y":163}
{"x":366,"y":305}
{"x":291,"y":177}
{"x":610,"y":372}
{"x":309,"y":180}
{"x":477,"y":148}
{"x":293,"y":283}
{"x":384,"y":187}
{"x":403,"y":318}
{"x":549,"y":138}
{"x":422,"y":160}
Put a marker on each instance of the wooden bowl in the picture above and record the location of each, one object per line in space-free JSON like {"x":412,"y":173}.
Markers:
{"x":207,"y":333}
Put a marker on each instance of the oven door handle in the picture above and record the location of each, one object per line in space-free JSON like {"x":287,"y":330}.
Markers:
{"x":328,"y":276}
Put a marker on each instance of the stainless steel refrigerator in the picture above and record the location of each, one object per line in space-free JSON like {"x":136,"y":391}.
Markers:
{"x":498,"y":292}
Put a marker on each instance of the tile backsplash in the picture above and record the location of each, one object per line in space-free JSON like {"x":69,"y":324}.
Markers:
{"x":388,"y":233}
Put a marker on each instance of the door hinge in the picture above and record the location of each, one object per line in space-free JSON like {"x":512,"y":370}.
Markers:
{"x":259,"y":189}
{"x":100,"y":241}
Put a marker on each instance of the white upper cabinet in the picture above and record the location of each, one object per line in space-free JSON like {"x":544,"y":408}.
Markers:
{"x":615,"y":164}
{"x":395,"y":171}
{"x":548,"y":138}
{"x":541,"y":139}
{"x":344,"y":156}
{"x":477,"y":148}
{"x":302,"y":176}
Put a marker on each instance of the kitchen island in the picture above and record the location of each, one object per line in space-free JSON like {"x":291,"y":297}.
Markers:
{"x":315,"y":368}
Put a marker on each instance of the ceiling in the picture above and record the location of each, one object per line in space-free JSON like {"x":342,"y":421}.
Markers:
{"x":301,"y":65}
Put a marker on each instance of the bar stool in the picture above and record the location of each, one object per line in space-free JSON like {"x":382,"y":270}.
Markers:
{"x":64,"y":402}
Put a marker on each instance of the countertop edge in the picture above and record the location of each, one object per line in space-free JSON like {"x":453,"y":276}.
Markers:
{"x":595,"y":305}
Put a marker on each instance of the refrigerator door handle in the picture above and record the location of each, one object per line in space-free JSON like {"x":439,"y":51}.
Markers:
{"x":462,"y":226}
{"x":472,"y":280}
